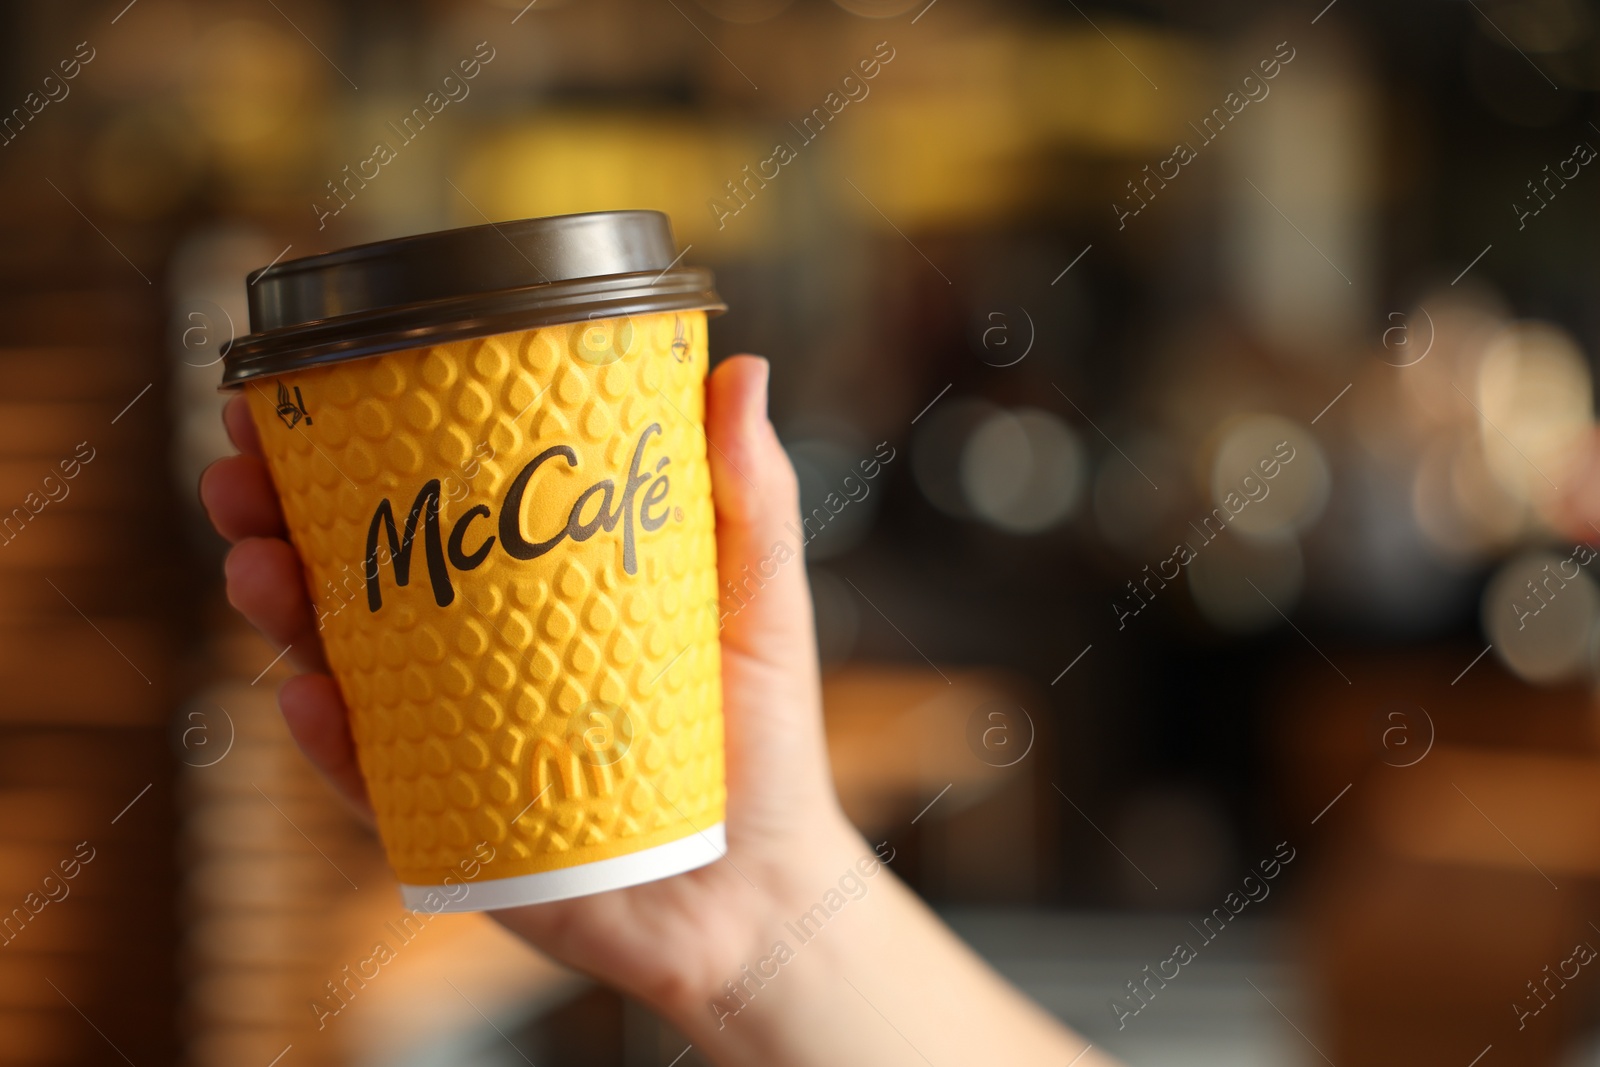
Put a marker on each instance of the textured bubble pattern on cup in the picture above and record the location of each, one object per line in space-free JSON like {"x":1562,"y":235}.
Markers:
{"x":463,"y":714}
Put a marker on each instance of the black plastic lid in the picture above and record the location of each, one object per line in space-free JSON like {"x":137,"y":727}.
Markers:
{"x":456,"y":284}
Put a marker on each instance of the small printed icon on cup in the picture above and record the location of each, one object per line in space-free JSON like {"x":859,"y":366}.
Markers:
{"x":1402,"y":733}
{"x":204,"y":332}
{"x":204,"y":737}
{"x":602,"y":341}
{"x":1003,"y":337}
{"x":1000,"y":733}
{"x":291,"y":409}
{"x":682,"y":341}
{"x":600,"y":732}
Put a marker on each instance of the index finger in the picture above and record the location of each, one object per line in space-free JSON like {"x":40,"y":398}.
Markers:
{"x":241,"y":427}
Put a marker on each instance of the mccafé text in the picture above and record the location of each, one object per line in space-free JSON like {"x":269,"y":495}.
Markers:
{"x":643,"y":495}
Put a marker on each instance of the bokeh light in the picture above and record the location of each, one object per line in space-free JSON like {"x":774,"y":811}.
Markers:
{"x":1536,"y":398}
{"x":1270,"y":473}
{"x":1022,"y":470}
{"x":1539,"y":612}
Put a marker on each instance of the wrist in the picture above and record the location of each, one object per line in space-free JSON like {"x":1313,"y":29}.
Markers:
{"x":833,"y":922}
{"x":778,"y":909}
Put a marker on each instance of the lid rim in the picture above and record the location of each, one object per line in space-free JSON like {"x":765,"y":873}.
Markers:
{"x":459,"y":318}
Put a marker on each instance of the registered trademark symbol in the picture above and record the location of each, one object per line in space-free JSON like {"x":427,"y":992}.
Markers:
{"x":677,"y":513}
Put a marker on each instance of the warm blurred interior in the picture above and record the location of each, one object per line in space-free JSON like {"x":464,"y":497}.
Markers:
{"x":1091,"y":271}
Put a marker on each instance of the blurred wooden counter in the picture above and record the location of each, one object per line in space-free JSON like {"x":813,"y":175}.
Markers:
{"x":901,"y":739}
{"x":1461,"y":858}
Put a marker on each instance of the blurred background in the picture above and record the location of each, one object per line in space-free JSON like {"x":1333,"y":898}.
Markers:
{"x":1303,"y":289}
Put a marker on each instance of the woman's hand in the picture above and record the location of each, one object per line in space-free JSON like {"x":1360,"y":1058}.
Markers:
{"x":683,"y":943}
{"x":681,"y":937}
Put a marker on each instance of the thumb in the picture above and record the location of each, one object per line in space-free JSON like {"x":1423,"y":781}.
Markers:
{"x":763,"y":597}
{"x":778,"y":780}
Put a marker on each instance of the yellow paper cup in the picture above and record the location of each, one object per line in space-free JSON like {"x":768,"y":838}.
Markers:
{"x":509,"y":542}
